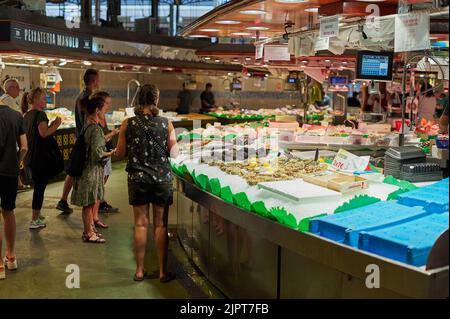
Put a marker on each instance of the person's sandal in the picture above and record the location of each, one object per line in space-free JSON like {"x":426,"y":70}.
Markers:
{"x":100,"y":224}
{"x":168,"y":278}
{"x":136,"y":278}
{"x":94,"y":239}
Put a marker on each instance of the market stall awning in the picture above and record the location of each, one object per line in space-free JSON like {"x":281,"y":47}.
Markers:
{"x":23,"y":32}
{"x":243,"y":18}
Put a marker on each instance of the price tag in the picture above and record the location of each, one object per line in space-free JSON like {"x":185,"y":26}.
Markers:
{"x":346,"y":161}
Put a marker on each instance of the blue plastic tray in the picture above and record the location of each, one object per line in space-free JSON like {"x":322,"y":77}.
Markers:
{"x":409,"y":242}
{"x":345,"y":227}
{"x":434,"y":198}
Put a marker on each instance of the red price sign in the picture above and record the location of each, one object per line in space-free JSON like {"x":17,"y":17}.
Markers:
{"x":337,"y":164}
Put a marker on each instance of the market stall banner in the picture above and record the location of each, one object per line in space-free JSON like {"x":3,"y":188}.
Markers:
{"x":48,"y":38}
{"x":412,"y":32}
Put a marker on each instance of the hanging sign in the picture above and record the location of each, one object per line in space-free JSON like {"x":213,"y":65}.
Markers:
{"x":329,"y":26}
{"x":412,"y":32}
{"x":43,"y":37}
{"x":276,"y":53}
{"x":259,"y":52}
{"x":322,"y":44}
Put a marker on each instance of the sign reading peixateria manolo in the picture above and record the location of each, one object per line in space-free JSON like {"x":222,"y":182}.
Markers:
{"x":42,"y":37}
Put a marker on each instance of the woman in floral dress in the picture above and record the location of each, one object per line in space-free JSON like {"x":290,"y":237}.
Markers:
{"x":88,"y":189}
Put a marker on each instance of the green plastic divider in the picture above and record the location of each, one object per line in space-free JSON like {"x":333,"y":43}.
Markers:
{"x":357,"y":202}
{"x":226,"y":194}
{"x":203,"y":182}
{"x":400,"y":183}
{"x":215,"y":186}
{"x":303,"y":226}
{"x":260,"y":209}
{"x":284,"y":217}
{"x":242,"y":201}
{"x":394,"y":195}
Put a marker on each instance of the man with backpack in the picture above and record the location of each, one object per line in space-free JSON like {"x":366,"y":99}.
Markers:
{"x":91,"y":81}
{"x":12,"y":133}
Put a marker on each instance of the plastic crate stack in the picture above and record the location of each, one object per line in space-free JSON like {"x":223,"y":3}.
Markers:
{"x":403,"y":230}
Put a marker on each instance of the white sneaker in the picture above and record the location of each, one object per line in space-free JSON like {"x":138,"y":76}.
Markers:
{"x":10,"y":265}
{"x":38,"y":223}
{"x":2,"y":273}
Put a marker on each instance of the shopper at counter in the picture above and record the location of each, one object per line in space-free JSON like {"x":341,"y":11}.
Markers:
{"x":91,"y":81}
{"x":104,"y":206}
{"x":149,"y":140}
{"x":12,"y":133}
{"x":12,"y":91}
{"x":39,"y":134}
{"x":427,"y":103}
{"x":353,"y":101}
{"x":208,"y":101}
{"x":184,"y":101}
{"x":88,"y":189}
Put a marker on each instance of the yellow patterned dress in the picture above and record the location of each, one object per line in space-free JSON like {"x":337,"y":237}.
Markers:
{"x":89,"y":187}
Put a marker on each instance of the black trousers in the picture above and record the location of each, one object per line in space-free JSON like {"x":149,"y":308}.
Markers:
{"x":40,"y":184}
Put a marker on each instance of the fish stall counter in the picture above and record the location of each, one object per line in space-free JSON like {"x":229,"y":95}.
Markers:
{"x":283,"y":227}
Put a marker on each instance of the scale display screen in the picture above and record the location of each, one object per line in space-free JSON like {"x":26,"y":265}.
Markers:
{"x":338,"y":80}
{"x":375,"y":66}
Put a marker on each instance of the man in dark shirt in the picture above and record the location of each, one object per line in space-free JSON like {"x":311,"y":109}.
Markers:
{"x":184,"y":101}
{"x":12,"y":133}
{"x":91,"y":81}
{"x":207,"y":99}
{"x":353,"y":100}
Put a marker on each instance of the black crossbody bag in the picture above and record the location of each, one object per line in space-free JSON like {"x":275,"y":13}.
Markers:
{"x":162,"y":150}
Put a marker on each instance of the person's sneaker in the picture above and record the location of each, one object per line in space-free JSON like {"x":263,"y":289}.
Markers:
{"x":10,"y":263}
{"x":38,"y":223}
{"x":41,"y":217}
{"x":106,"y":208}
{"x":2,"y":273}
{"x":64,"y":207}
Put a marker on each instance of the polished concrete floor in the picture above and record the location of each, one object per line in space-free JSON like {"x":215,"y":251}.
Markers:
{"x":106,"y":271}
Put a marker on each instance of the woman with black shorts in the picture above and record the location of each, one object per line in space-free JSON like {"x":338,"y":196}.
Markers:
{"x":149,"y":140}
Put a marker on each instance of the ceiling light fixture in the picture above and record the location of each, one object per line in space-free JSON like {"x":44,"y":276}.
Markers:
{"x":62,"y":62}
{"x":242,"y":34}
{"x":253,"y":12}
{"x":257,"y":28}
{"x":228,"y":22}
{"x":198,"y":36}
{"x":87,"y":63}
{"x":43,"y":61}
{"x":313,"y":9}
